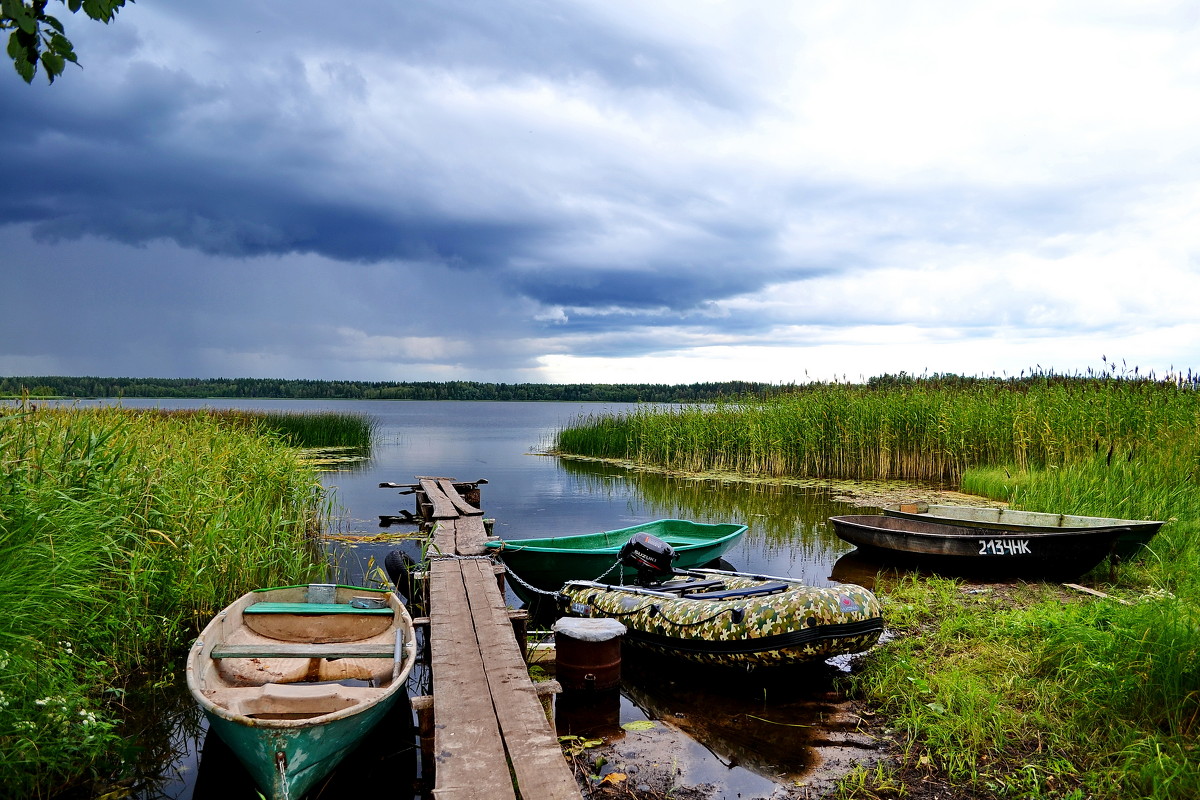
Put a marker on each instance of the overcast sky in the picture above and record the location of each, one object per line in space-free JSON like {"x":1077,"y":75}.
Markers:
{"x":606,"y":191}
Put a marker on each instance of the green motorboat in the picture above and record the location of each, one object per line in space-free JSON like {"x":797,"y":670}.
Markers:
{"x":550,"y":562}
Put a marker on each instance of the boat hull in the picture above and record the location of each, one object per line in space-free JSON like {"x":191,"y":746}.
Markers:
{"x":1132,"y":537}
{"x":549,"y":563}
{"x":802,"y":624}
{"x":1063,"y":553}
{"x":293,"y":678}
{"x":309,"y":753}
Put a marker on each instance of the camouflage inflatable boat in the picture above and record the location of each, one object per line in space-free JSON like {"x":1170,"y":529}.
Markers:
{"x":734,"y":619}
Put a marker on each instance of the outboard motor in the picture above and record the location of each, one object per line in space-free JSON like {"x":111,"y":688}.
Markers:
{"x":652,"y":558}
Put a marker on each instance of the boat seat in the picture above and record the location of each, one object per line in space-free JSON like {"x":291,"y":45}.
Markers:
{"x":291,"y":700}
{"x":313,"y":608}
{"x":689,"y":587}
{"x":750,"y":591}
{"x":304,"y":650}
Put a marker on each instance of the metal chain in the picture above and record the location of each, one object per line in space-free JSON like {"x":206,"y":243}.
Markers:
{"x":536,"y":590}
{"x":529,"y":586}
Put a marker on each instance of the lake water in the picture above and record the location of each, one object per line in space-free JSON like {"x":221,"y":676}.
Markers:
{"x":531,"y":495}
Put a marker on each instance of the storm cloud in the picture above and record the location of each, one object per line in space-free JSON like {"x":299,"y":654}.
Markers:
{"x":604,"y":191}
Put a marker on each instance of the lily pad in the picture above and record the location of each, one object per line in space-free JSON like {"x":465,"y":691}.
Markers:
{"x":638,"y":725}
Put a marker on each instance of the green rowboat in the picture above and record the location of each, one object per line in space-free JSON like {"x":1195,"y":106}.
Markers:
{"x":292,"y":678}
{"x":550,"y":562}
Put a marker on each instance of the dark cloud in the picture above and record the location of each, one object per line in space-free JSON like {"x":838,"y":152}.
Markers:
{"x":272,"y":186}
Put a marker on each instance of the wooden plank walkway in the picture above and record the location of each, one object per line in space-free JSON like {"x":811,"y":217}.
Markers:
{"x":491,"y":740}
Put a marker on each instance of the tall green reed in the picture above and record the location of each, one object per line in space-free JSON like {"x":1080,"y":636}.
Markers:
{"x":298,"y":428}
{"x":914,"y":431}
{"x":120,"y":534}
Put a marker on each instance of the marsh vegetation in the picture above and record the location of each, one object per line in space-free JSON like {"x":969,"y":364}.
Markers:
{"x":121,"y":533}
{"x":1021,"y":690}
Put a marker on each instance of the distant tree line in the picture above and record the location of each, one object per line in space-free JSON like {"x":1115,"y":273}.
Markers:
{"x":60,"y":386}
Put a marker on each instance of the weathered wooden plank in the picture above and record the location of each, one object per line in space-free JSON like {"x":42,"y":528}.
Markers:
{"x":451,"y":491}
{"x":442,"y":507}
{"x":470,"y":535}
{"x":537,"y":760}
{"x":445,"y":537}
{"x":468,"y":748}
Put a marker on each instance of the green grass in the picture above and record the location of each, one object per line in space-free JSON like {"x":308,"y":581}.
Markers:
{"x":1029,"y":690}
{"x":121,"y":533}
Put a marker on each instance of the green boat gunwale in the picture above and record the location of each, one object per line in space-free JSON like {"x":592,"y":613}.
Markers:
{"x":550,"y":562}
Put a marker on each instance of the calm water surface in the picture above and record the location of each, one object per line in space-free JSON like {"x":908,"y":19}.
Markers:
{"x":532,"y":495}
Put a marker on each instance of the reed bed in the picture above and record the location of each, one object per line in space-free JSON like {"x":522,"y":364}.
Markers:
{"x":313,"y":429}
{"x":1026,"y":690}
{"x":912,"y":431}
{"x":121,"y":533}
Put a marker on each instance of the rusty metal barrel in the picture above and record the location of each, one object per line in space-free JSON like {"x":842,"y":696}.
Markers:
{"x":588,"y":653}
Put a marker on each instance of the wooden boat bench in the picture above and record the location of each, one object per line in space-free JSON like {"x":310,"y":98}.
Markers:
{"x":331,"y":650}
{"x":295,"y":699}
{"x":314,"y":608}
{"x":753,"y":591}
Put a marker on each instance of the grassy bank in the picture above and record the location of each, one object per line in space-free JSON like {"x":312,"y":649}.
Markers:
{"x":1022,"y":690}
{"x":120,"y":533}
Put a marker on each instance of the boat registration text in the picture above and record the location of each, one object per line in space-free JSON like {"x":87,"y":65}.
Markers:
{"x":1004,"y":547}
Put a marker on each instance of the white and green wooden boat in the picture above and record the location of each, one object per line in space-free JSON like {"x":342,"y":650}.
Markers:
{"x":292,"y":678}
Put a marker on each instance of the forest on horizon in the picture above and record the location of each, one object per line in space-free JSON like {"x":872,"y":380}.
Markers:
{"x":95,"y":387}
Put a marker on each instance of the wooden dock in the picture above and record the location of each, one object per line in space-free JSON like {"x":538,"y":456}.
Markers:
{"x":491,"y":738}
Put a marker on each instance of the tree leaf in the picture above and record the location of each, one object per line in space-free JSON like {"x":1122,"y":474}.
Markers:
{"x":62,"y":45}
{"x":25,"y":21}
{"x":25,"y":68}
{"x":15,"y":48}
{"x":53,"y":64}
